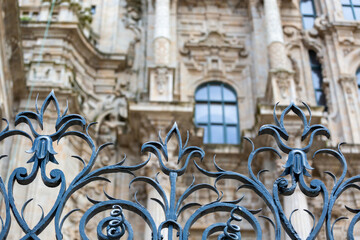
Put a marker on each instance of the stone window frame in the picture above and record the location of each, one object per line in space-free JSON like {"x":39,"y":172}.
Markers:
{"x":207,"y":124}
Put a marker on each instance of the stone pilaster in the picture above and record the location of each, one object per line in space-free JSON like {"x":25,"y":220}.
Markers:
{"x":351,"y":100}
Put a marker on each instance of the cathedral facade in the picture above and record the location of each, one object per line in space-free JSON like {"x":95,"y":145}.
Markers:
{"x":216,"y":68}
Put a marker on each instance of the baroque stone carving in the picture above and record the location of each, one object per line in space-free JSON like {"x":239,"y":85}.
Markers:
{"x":283,"y":84}
{"x":131,"y":21}
{"x":161,"y":84}
{"x":213,"y":51}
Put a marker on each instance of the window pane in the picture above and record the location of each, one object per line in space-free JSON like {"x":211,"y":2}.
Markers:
{"x":320,"y":98}
{"x":358,"y":76}
{"x":201,"y":94}
{"x":216,"y":113}
{"x":317,"y":78}
{"x":357,"y":12}
{"x":232,"y":135}
{"x":229,"y":95}
{"x":215,"y":92}
{"x":345,"y":1}
{"x":206,"y":133}
{"x":356,"y":2}
{"x":217,"y":134}
{"x":308,"y":22}
{"x":230,"y":114}
{"x":306,"y":7}
{"x":348,"y":14}
{"x":201,"y":113}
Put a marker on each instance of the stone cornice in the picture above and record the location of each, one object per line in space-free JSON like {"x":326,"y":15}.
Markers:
{"x":72,"y":32}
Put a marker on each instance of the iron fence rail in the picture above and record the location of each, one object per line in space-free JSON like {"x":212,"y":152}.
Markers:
{"x":116,"y":225}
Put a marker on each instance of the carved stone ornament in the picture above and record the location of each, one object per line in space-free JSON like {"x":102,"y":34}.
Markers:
{"x":348,"y":83}
{"x":200,"y":52}
{"x":161,"y":84}
{"x":283,"y":80}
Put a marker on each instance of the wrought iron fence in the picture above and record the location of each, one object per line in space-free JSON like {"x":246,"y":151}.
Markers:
{"x":116,"y":225}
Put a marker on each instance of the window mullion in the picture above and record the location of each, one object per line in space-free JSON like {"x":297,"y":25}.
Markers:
{"x":352,"y":9}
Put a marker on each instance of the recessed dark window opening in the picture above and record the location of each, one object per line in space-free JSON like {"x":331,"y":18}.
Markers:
{"x":317,"y":78}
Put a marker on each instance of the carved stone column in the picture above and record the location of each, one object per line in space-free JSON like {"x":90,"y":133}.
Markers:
{"x":162,"y":32}
{"x":280,"y":75}
{"x":301,"y":220}
{"x":154,"y":208}
{"x":161,"y":76}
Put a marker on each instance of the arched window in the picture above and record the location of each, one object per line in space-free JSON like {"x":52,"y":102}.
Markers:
{"x":317,"y":79}
{"x":308,"y":13}
{"x":351,"y":9}
{"x":216,"y":111}
{"x":358,"y":79}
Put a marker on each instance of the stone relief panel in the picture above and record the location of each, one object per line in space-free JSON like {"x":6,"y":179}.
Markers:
{"x":214,"y":53}
{"x":213,"y":44}
{"x":161,"y":84}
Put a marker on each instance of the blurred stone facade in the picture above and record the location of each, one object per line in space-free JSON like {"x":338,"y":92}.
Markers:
{"x":134,"y":66}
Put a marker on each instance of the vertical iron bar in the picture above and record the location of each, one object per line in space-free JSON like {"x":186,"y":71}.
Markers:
{"x":172,"y":216}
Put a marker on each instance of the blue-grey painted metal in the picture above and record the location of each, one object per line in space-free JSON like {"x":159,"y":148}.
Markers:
{"x":117,"y":226}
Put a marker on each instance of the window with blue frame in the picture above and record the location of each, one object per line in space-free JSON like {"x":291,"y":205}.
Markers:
{"x":216,"y":111}
{"x":316,"y":75}
{"x":351,"y":9}
{"x":308,"y":13}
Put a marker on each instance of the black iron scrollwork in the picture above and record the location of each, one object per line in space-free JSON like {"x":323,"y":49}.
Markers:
{"x":116,"y":226}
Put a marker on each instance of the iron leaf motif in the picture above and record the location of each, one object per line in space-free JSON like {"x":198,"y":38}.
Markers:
{"x":117,"y":225}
